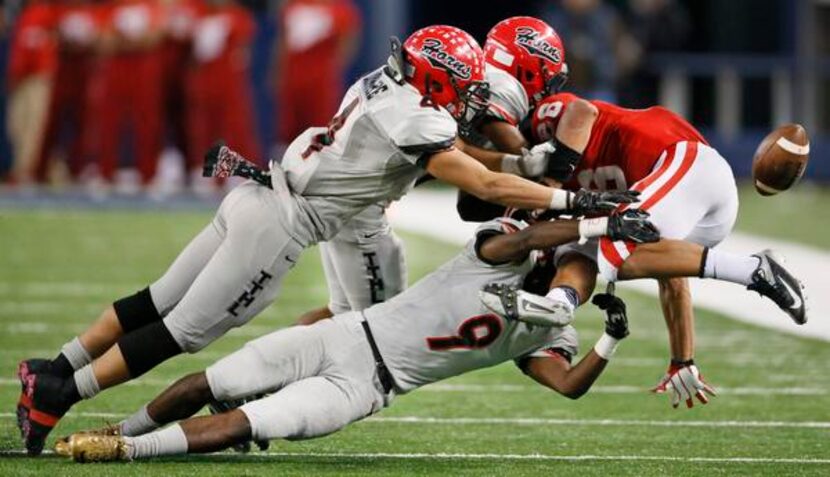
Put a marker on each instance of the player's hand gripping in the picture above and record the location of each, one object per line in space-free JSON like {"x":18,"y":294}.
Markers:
{"x":531,"y":162}
{"x":683,"y":382}
{"x":632,"y":225}
{"x":587,"y":202}
{"x":616,"y":319}
{"x":223,"y":162}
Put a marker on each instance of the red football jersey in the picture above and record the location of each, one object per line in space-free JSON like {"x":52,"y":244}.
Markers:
{"x":624,"y":144}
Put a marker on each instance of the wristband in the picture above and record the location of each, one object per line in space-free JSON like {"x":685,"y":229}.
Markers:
{"x":510,"y":164}
{"x":590,"y":228}
{"x":606,"y":346}
{"x":560,"y":200}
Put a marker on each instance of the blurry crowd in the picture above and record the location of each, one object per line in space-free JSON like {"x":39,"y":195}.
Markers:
{"x":130,"y":93}
{"x":609,"y":44}
{"x":99,"y":87}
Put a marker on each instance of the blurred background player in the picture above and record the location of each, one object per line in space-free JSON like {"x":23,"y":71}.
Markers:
{"x":318,"y":40}
{"x":30,"y":79}
{"x":217,"y":84}
{"x":67,"y":136}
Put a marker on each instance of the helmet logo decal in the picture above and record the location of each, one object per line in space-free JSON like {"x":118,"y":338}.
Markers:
{"x":438,"y":56}
{"x":528,"y":38}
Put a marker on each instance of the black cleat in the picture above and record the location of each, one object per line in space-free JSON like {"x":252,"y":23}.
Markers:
{"x":25,"y":369}
{"x":773,"y":281}
{"x":218,"y":407}
{"x":45,"y":397}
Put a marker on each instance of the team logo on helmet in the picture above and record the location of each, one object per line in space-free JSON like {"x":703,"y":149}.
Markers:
{"x":528,"y":38}
{"x":438,"y":56}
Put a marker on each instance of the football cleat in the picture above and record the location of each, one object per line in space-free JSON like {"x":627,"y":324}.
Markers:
{"x":45,"y":398}
{"x":773,"y":281}
{"x":97,"y":448}
{"x":218,"y":407}
{"x":63,"y":448}
{"x":515,"y":304}
{"x":27,"y":368}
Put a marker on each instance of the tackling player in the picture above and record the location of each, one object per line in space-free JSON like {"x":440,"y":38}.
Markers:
{"x":335,"y":372}
{"x":393,"y":124}
{"x":689,"y":190}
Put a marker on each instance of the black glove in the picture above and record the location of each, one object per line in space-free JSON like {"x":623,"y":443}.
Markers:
{"x":632,"y":225}
{"x":586,"y":202}
{"x":616,"y":321}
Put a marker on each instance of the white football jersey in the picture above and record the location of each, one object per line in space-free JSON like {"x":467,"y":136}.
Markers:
{"x":508,"y":98}
{"x":439,"y":328}
{"x":371,"y":152}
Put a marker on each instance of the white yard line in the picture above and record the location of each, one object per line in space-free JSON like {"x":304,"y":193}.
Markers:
{"x":502,"y":457}
{"x":431,"y":212}
{"x":534,"y":421}
{"x":519,"y":388}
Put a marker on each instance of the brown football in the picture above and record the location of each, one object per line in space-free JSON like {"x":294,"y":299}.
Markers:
{"x":780,"y":159}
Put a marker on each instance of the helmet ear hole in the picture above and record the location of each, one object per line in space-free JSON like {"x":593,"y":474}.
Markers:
{"x":528,"y":75}
{"x":437,"y":87}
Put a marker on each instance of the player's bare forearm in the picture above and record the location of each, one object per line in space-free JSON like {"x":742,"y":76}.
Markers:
{"x":676,"y":299}
{"x":541,"y":235}
{"x":490,"y":159}
{"x":570,"y":381}
{"x":504,"y":136}
{"x":457,"y":168}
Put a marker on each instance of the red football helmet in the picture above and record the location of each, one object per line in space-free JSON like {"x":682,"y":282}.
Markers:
{"x":530,"y":50}
{"x":446,"y":65}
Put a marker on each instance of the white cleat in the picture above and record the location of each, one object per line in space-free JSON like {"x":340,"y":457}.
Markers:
{"x":515,"y":304}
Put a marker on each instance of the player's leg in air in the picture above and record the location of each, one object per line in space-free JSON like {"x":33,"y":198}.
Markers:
{"x":226,"y":275}
{"x":364,"y":264}
{"x":322,"y":377}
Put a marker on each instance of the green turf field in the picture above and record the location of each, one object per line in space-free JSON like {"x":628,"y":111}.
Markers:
{"x":57,"y":269}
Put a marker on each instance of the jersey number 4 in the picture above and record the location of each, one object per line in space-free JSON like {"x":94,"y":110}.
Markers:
{"x":476,"y":332}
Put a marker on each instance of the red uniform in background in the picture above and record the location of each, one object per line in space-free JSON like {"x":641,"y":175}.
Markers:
{"x":317,"y":40}
{"x":624,"y":146}
{"x":31,"y":69}
{"x":219,"y":98}
{"x":181,"y":19}
{"x":78,"y":28}
{"x":128,"y":92}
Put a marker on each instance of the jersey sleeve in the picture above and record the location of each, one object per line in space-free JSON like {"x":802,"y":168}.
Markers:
{"x":498,"y":226}
{"x":562,"y":343}
{"x":546,"y":116}
{"x":508,"y":99}
{"x":424,"y":131}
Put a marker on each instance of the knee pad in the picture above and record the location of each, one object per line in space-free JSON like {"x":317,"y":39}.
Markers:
{"x":136,"y":311}
{"x":147,"y":347}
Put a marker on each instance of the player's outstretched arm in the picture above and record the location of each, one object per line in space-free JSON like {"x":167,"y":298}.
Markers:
{"x":574,"y":381}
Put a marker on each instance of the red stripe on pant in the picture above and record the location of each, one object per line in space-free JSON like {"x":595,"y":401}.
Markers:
{"x":607,"y":248}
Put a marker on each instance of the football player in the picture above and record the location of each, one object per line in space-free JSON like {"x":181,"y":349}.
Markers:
{"x":690,"y":192}
{"x":393,"y":124}
{"x":338,"y":371}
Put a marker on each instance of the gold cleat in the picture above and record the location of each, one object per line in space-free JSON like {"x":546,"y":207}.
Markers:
{"x":97,"y":448}
{"x":63,"y":448}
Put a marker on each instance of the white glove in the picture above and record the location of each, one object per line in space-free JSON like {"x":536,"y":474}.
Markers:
{"x":531,"y":163}
{"x":686,"y":382}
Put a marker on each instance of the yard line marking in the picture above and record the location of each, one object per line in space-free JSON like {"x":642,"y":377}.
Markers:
{"x":500,"y":457}
{"x":525,"y":421}
{"x":521,"y":388}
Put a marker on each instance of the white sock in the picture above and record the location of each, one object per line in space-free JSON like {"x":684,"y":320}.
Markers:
{"x":86,"y":382}
{"x":138,"y":424}
{"x":565,"y":295}
{"x":168,"y":441}
{"x":75,"y":353}
{"x":730,"y":267}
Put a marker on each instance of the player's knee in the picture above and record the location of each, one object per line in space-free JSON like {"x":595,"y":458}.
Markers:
{"x":136,"y":311}
{"x":147,"y":347}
